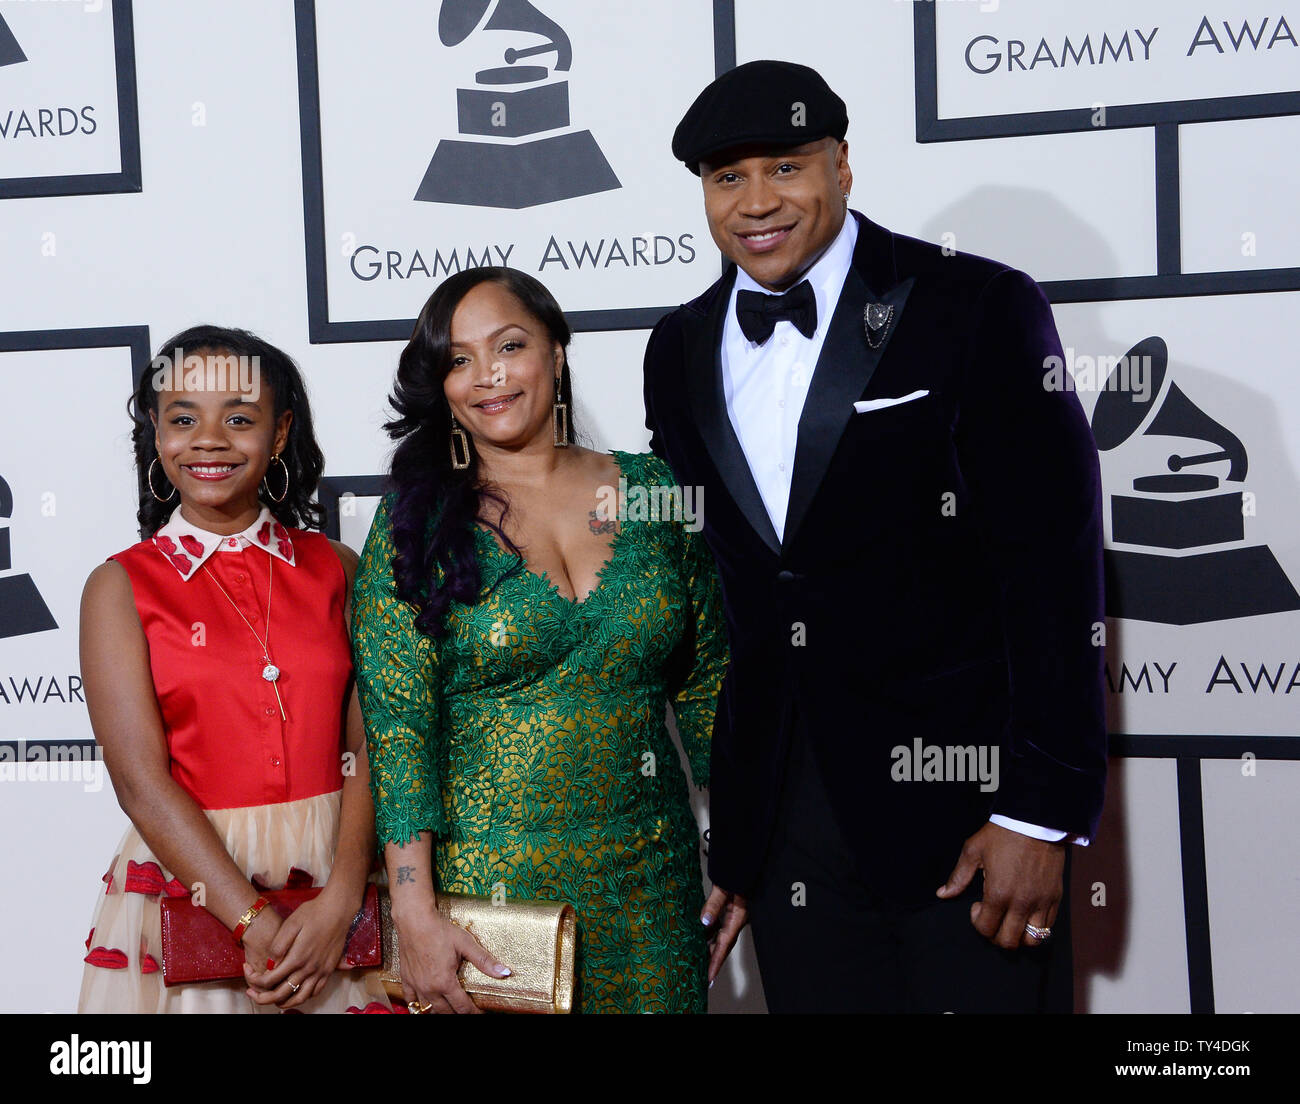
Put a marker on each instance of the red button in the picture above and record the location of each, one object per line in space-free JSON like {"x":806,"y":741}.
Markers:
{"x":270,"y":712}
{"x":275,"y":760}
{"x":239,"y":578}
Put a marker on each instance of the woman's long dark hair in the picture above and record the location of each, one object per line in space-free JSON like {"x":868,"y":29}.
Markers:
{"x":436,"y":508}
{"x":302,"y":455}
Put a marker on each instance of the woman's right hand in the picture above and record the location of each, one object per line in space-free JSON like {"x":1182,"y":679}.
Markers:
{"x":431,"y":952}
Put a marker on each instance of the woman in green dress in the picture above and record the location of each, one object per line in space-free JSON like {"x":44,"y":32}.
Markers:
{"x":524,"y":612}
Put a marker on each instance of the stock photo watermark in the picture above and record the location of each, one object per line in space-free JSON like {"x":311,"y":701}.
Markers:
{"x":922,"y":762}
{"x":114,"y":1058}
{"x":77,"y":763}
{"x":207,"y":372}
{"x":1075,"y":372}
{"x":634,"y":502}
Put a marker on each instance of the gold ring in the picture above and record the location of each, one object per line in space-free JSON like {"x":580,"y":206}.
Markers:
{"x":415,"y":1008}
{"x":293,"y":986}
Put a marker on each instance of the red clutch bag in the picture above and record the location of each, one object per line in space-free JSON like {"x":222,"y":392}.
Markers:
{"x":196,"y":946}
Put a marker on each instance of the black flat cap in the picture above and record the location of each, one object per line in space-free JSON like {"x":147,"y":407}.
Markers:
{"x":774,"y":103}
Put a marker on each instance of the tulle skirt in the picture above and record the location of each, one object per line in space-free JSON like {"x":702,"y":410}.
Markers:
{"x":124,"y":949}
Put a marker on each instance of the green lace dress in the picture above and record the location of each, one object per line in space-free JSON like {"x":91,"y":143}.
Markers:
{"x":531,"y":740}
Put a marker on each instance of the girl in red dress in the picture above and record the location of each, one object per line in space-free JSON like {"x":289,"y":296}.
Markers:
{"x":218,"y":679}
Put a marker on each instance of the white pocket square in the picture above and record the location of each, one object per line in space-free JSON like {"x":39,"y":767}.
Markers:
{"x":862,"y":406}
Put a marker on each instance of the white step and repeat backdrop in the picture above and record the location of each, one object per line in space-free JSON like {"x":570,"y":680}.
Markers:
{"x":312,"y":170}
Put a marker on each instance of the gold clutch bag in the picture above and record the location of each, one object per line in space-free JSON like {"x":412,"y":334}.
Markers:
{"x":536,"y":939}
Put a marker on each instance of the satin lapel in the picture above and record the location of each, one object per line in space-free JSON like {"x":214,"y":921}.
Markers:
{"x":703,"y":365}
{"x":844,"y":369}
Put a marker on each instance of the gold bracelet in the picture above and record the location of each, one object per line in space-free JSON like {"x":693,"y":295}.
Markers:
{"x":250,"y":914}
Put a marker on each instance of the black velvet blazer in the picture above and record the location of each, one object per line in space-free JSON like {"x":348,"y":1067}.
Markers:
{"x":940,"y":578}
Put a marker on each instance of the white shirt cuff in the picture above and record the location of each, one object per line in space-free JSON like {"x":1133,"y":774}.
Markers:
{"x":1037,"y":831}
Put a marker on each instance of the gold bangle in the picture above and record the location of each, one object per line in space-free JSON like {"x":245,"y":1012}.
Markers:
{"x":250,"y":914}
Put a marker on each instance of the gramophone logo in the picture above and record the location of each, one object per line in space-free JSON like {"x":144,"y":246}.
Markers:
{"x":1172,"y":515}
{"x":22,"y":609}
{"x":503,"y":163}
{"x":10,"y":52}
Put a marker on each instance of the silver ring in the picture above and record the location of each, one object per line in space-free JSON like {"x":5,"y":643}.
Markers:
{"x":1038,"y":933}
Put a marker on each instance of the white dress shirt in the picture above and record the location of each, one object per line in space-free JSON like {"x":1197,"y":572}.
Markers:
{"x":765,"y":387}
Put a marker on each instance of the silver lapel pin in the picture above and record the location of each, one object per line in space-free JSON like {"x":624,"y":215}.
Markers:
{"x":877,"y":317}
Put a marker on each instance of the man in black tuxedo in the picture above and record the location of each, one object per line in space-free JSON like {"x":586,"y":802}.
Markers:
{"x":907,"y":527}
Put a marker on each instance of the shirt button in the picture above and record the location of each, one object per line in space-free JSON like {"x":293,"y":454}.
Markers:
{"x":270,"y":712}
{"x":781,"y":465}
{"x":252,"y":616}
{"x":239,"y":578}
{"x":784,"y":341}
{"x":780,"y":402}
{"x":275,"y":760}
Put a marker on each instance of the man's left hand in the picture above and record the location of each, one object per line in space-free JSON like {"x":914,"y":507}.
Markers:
{"x":1022,"y":884}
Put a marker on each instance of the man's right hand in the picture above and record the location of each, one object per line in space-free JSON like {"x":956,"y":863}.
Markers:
{"x":432,"y":951}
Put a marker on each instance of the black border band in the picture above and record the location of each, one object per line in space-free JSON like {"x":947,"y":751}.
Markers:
{"x":931,"y":128}
{"x":1169,"y":282}
{"x":127,"y":178}
{"x":320,"y":330}
{"x":135,"y":338}
{"x":1196,"y":888}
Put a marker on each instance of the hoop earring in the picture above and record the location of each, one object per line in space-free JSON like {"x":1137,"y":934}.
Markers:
{"x":560,"y":419}
{"x":148,"y":478}
{"x":267,"y":485}
{"x":459,"y":461}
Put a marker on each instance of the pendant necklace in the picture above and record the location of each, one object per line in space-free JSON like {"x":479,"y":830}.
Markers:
{"x":270,"y":672}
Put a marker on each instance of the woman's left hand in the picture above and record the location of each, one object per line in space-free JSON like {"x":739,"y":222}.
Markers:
{"x":306,"y":951}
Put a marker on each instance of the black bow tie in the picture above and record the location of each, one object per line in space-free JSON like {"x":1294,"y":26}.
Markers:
{"x":758,"y":314}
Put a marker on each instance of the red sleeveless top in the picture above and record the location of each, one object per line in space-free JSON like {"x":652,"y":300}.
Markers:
{"x":229,"y":746}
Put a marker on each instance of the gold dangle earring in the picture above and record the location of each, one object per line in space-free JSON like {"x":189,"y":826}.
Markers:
{"x":459,"y":460}
{"x":560,"y":419}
